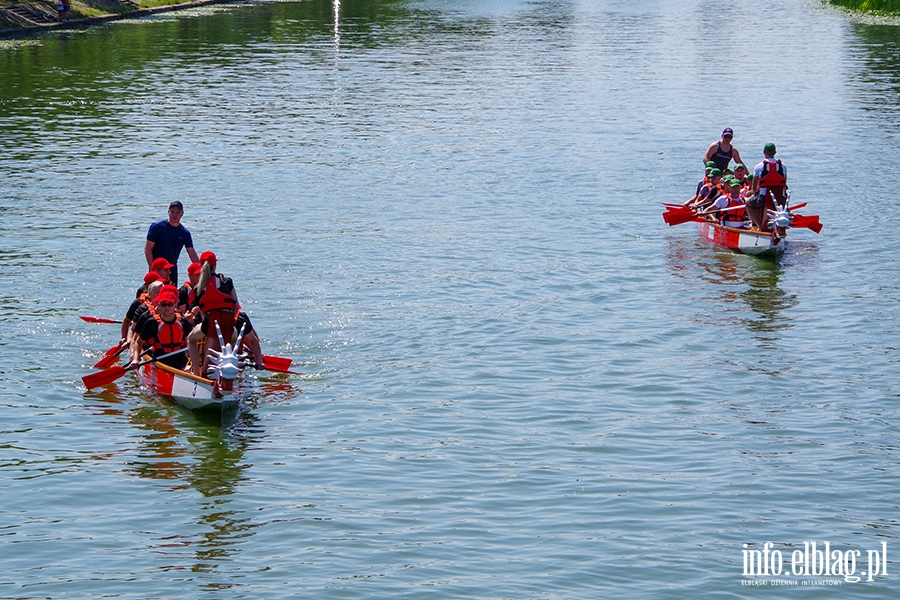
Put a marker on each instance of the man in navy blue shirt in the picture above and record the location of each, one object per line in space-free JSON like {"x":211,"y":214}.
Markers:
{"x":166,"y":238}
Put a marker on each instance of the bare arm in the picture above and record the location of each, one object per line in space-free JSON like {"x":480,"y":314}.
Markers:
{"x":193,"y":254}
{"x":736,"y":156}
{"x":710,"y":152}
{"x":126,"y":325}
{"x":136,"y":348}
{"x":148,"y":253}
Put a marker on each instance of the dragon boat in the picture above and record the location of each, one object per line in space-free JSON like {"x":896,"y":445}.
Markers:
{"x":218,"y":391}
{"x":767,"y":244}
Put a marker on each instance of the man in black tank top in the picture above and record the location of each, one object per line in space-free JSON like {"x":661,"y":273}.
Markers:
{"x":723,"y":152}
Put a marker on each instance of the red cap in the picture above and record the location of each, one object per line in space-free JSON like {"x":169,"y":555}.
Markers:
{"x":168,"y":289}
{"x":208,"y":257}
{"x":151,"y":277}
{"x":167,"y":297}
{"x":161,"y":263}
{"x":194,"y":268}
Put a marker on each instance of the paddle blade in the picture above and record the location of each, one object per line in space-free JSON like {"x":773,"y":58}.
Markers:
{"x":810,"y":222}
{"x":98,"y":320}
{"x":115,"y":349}
{"x":103,"y":377}
{"x":677,"y":217}
{"x":107,"y":361}
{"x":277,"y":363}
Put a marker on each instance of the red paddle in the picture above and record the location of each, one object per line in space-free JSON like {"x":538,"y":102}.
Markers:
{"x":105,"y":377}
{"x":110,"y":358}
{"x":810,"y":222}
{"x":115,"y":348}
{"x":98,"y":320}
{"x":677,"y":217}
{"x":279,"y":364}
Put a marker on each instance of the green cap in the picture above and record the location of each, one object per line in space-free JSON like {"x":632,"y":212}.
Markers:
{"x":769,"y":148}
{"x":714,"y":173}
{"x":710,"y":164}
{"x":734,"y":183}
{"x":739,"y":166}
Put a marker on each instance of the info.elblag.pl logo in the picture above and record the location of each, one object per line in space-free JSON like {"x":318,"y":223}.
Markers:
{"x":815,"y":560}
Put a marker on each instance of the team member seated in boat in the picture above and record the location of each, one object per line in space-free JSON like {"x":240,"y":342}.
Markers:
{"x":149,"y":278}
{"x":733,"y":200}
{"x":163,"y":268}
{"x":770,"y":182}
{"x":709,"y":167}
{"x":139,"y":305}
{"x":741,"y":173}
{"x":145,"y":310}
{"x":165,"y":331}
{"x":722,"y":152}
{"x":710,"y":190}
{"x":186,"y":295}
{"x":217,"y":301}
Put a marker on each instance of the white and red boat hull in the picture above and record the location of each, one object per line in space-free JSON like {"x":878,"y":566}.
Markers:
{"x":187,"y":389}
{"x":756,"y":243}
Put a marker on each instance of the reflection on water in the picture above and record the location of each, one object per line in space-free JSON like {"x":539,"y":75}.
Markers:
{"x":766,"y":298}
{"x":726,"y":283}
{"x":202,"y":451}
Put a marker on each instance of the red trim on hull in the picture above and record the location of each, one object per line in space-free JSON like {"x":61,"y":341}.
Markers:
{"x":755,"y":243}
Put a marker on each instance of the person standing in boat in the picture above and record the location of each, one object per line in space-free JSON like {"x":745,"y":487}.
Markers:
{"x":770,"y":183}
{"x":166,"y":238}
{"x":165,"y":331}
{"x":722,"y":152}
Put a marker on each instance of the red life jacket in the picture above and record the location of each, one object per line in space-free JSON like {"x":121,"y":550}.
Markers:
{"x":772,"y":174}
{"x":214,"y":299}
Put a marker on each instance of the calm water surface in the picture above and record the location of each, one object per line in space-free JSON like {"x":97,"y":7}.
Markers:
{"x":519,"y":383}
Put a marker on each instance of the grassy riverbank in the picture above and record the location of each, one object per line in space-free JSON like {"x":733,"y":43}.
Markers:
{"x":870,"y":6}
{"x":79,"y":9}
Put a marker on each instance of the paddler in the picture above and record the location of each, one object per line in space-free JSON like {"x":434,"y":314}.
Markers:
{"x":139,"y":304}
{"x":710,"y":190}
{"x":732,"y":200}
{"x":215,"y":296}
{"x":149,"y":278}
{"x":722,"y":152}
{"x":741,"y":173}
{"x":164,"y":332}
{"x":770,"y":182}
{"x":163,"y":268}
{"x":186,"y":294}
